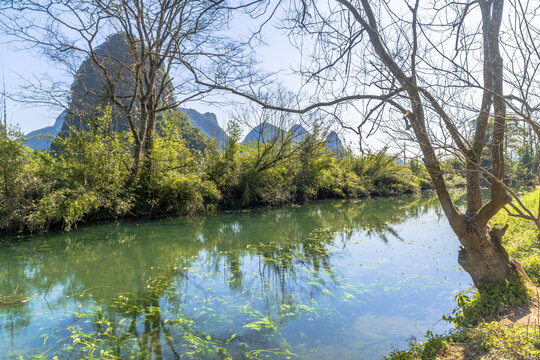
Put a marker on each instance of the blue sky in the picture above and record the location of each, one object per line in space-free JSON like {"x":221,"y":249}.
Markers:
{"x":16,"y":64}
{"x":277,"y":56}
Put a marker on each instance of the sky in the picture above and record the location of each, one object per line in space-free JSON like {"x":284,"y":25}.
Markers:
{"x":277,"y":56}
{"x":19,"y":64}
{"x":14,"y":65}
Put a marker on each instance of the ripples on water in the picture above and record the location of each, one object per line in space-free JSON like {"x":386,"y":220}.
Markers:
{"x":330,"y":280}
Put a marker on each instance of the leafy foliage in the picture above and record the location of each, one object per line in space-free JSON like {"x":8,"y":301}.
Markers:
{"x":170,"y":183}
{"x":85,"y":178}
{"x":16,"y":182}
{"x":485,"y":341}
{"x":384,"y":175}
{"x":473,"y":307}
{"x":88,"y":176}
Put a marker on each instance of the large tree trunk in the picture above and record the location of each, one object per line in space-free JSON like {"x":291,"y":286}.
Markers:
{"x":482,"y":254}
{"x":150,"y":134}
{"x":136,"y":164}
{"x":140,"y":139}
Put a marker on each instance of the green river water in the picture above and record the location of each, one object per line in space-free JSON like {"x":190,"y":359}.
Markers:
{"x":328,"y":280}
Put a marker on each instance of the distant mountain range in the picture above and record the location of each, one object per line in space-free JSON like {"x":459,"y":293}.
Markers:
{"x":265,"y":132}
{"x":89,"y":91}
{"x":41,"y":139}
{"x":334,"y":142}
{"x":262,"y":133}
{"x":207,"y":123}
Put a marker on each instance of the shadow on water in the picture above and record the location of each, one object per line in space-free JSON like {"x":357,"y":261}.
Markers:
{"x":322,"y":280}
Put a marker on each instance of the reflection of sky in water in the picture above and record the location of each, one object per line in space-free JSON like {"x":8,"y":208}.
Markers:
{"x":337,"y":279}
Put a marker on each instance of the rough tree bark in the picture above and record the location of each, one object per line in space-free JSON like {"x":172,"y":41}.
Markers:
{"x":482,"y":254}
{"x":354,"y":25}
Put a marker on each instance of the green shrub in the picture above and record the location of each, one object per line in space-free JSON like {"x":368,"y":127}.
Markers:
{"x":88,"y":175}
{"x":312,"y":164}
{"x":485,"y":341}
{"x":339,"y":180}
{"x":475,"y":306}
{"x":85,"y":178}
{"x":434,"y":346}
{"x":170,"y":182}
{"x":192,"y":137}
{"x":420,"y":171}
{"x":18,"y":184}
{"x":383,"y":175}
{"x":492,"y":340}
{"x":275,"y":173}
{"x":495,"y":341}
{"x":455,"y":181}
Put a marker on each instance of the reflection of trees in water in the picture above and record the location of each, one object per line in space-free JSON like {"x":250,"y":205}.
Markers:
{"x":379,"y":218}
{"x":289,"y":248}
{"x":104,"y":260}
{"x":146,"y":328}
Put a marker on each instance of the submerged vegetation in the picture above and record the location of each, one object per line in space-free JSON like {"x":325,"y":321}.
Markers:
{"x":457,"y":83}
{"x":274,"y":284}
{"x":14,"y":298}
{"x":88,"y":175}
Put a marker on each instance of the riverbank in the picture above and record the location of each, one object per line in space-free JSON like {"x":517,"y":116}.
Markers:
{"x":89,"y":177}
{"x":494,"y":323}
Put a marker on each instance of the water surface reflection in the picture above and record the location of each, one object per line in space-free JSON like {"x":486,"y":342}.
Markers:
{"x":335,"y":279}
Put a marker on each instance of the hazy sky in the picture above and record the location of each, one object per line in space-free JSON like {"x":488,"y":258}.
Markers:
{"x":14,"y":65}
{"x":279,"y":55}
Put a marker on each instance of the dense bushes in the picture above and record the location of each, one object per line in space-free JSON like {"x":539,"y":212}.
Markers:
{"x":16,"y":182}
{"x":384,"y":175}
{"x":84,"y":178}
{"x":171,"y":181}
{"x":89,"y":176}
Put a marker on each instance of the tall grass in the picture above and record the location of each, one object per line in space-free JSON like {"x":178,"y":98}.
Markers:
{"x":522,"y":240}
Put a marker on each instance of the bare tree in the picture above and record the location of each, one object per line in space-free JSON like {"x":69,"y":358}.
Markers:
{"x":276,"y":136}
{"x":522,"y":45}
{"x":432,"y":73}
{"x":162,"y":44}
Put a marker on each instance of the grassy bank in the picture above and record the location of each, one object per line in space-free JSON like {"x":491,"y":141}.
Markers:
{"x":89,"y":175}
{"x":495,"y":323}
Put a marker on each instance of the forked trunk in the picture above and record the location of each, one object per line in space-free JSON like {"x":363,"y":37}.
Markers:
{"x":483,"y":256}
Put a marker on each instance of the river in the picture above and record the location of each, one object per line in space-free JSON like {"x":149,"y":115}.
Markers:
{"x":327,"y":280}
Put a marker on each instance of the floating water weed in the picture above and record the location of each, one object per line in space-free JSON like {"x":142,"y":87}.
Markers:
{"x":14,"y":299}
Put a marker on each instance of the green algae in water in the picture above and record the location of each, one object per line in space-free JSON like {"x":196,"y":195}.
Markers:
{"x":331,"y":279}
